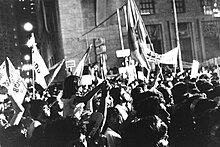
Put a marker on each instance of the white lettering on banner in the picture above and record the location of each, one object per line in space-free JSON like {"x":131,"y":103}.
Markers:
{"x":17,"y":86}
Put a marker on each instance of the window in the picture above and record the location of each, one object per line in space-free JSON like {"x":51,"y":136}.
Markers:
{"x":147,"y":7}
{"x":155,"y":34}
{"x":207,"y":6}
{"x":180,"y":6}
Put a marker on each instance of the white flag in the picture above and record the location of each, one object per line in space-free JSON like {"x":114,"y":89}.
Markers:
{"x":18,"y":87}
{"x":39,"y":66}
{"x":4,"y":81}
{"x":79,"y":69}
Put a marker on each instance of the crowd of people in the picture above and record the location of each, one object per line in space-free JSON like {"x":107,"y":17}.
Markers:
{"x":174,"y":110}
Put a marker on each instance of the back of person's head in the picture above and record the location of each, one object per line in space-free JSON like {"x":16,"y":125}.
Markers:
{"x":70,"y":87}
{"x":61,"y":132}
{"x":166,"y":94}
{"x":112,"y":112}
{"x":202,"y":106}
{"x":115,"y":93}
{"x":36,"y":108}
{"x":179,"y":92}
{"x":147,"y":132}
{"x":147,"y":107}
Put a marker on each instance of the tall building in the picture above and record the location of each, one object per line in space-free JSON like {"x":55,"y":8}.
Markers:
{"x":68,"y":27}
{"x":25,"y":15}
{"x":9,"y":44}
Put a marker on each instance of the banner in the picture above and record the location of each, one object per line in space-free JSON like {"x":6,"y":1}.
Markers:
{"x":169,"y":57}
{"x":4,"y":81}
{"x":18,"y":86}
{"x":39,"y":66}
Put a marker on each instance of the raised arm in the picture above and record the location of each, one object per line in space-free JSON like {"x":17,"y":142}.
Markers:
{"x":91,"y":93}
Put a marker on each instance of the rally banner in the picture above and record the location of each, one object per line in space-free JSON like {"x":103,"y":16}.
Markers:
{"x":4,"y":81}
{"x":39,"y":66}
{"x":169,"y":57}
{"x":17,"y":87}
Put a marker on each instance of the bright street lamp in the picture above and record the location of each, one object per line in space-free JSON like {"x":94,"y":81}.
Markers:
{"x":27,"y":57}
{"x":28,"y":26}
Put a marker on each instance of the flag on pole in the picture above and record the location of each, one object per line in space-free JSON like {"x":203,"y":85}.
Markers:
{"x":4,"y":81}
{"x":137,"y":35}
{"x":17,"y":87}
{"x":39,"y":65}
{"x":79,"y":69}
{"x":56,"y":71}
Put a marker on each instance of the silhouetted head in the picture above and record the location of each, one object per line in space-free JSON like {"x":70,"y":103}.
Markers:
{"x":71,"y":85}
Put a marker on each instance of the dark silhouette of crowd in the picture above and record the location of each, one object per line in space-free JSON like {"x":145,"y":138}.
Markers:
{"x":173,"y":110}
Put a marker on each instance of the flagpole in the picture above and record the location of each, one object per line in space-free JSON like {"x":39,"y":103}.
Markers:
{"x":177,"y":37}
{"x":148,"y":37}
{"x":33,"y":76}
{"x":120,"y":34}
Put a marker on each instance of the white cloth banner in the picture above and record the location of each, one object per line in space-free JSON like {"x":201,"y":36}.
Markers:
{"x":4,"y":81}
{"x":18,"y":87}
{"x":40,"y":68}
{"x":170,"y":57}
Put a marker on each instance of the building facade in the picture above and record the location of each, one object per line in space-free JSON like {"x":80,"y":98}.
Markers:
{"x":79,"y":22}
{"x":9,"y":44}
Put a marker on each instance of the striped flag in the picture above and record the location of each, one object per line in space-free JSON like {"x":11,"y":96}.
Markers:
{"x":137,"y":35}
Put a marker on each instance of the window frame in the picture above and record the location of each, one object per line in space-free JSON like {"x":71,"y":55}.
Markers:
{"x":180,"y":6}
{"x":147,"y":7}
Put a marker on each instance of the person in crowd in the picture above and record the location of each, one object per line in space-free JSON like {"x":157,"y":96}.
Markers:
{"x":148,"y":129}
{"x":174,"y":110}
{"x":112,"y":131}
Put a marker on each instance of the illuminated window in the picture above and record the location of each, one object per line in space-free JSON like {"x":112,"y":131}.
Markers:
{"x":147,"y":7}
{"x":207,"y":7}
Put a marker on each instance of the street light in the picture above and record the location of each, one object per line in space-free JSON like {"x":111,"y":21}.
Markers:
{"x":28,"y":26}
{"x":27,"y":58}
